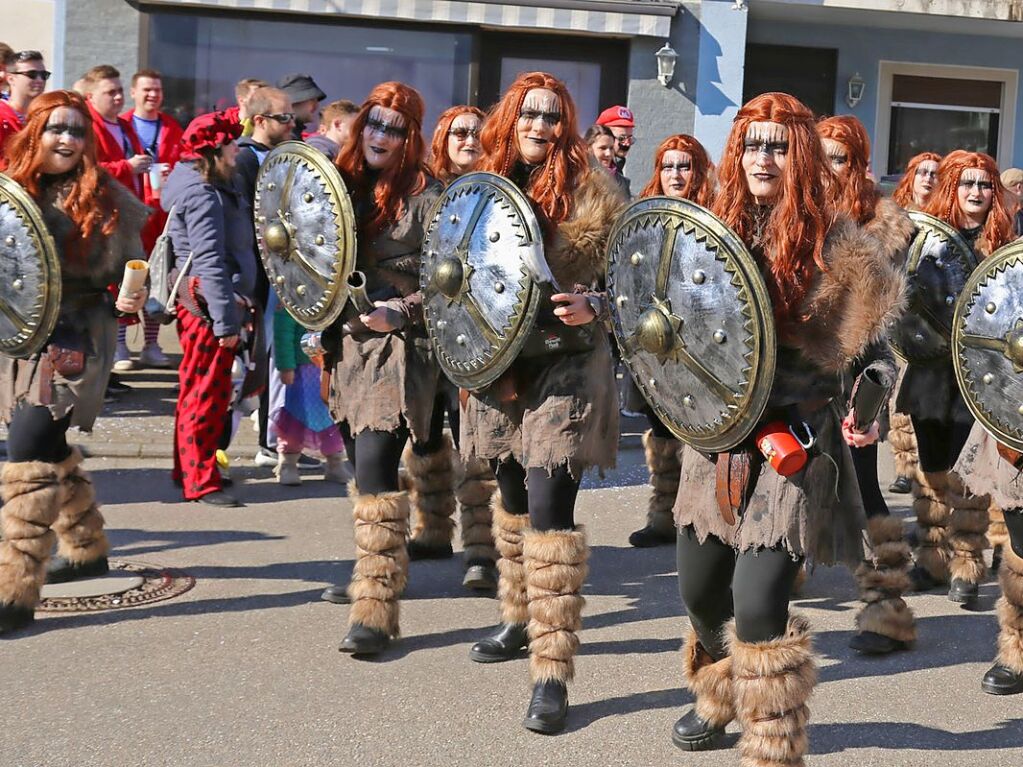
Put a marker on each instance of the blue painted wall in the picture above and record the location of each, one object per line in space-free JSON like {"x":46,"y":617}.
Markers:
{"x":860,"y":49}
{"x":721,"y":66}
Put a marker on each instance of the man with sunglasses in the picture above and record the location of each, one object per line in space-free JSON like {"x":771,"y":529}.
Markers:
{"x":620,"y":121}
{"x":25,"y":76}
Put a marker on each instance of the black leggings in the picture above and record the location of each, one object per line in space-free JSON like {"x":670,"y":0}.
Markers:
{"x":716,"y":583}
{"x":939,"y":442}
{"x":550,"y":499}
{"x":376,"y":456}
{"x":865,"y":463}
{"x":441,"y":405}
{"x":1014,"y":524}
{"x":33,"y":435}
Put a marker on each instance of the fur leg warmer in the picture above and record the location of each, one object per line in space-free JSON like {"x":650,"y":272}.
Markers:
{"x":476,"y":487}
{"x":967,"y":531}
{"x":381,"y":560}
{"x":773,"y":681}
{"x":555,"y":572}
{"x":997,"y":534}
{"x":79,"y":526}
{"x":1010,"y":611}
{"x":662,"y":462}
{"x":32,"y":494}
{"x":709,"y":681}
{"x":431,"y":483}
{"x":511,"y":586}
{"x":903,"y":443}
{"x":884,"y":580}
{"x":931,"y":508}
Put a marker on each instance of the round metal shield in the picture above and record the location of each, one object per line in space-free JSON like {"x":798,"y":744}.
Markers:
{"x":987,"y":344}
{"x":29,"y":274}
{"x":938,"y":265}
{"x":693,"y":317}
{"x":305,"y":229}
{"x":482,"y":262}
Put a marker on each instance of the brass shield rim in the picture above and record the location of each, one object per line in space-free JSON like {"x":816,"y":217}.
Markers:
{"x":345,"y":231}
{"x":998,"y":261}
{"x":33,"y":339}
{"x":762,"y":328}
{"x":518,"y":334}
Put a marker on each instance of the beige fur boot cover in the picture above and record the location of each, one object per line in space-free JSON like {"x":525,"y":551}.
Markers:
{"x":476,"y":488}
{"x":32,"y":494}
{"x":709,"y":681}
{"x":381,"y":560}
{"x":511,"y":585}
{"x":662,"y":463}
{"x":967,"y":531}
{"x":79,"y":526}
{"x":555,"y":572}
{"x":773,"y":681}
{"x":1010,"y":611}
{"x":932,"y":511}
{"x":997,"y":534}
{"x":903,"y":444}
{"x":884,"y":580}
{"x":431,"y":483}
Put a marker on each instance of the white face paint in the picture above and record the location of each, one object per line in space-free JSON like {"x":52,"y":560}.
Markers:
{"x":383,"y":137}
{"x":63,"y":141}
{"x":538,"y":125}
{"x":764,"y":157}
{"x":976,"y":192}
{"x":676,"y":170}
{"x":838,"y":156}
{"x":924,"y":181}
{"x":464,"y":143}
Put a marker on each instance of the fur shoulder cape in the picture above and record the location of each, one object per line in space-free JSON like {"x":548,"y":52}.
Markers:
{"x":577,"y":252}
{"x":860,"y":292}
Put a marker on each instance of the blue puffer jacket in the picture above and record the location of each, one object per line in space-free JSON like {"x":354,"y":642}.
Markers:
{"x":215,"y":223}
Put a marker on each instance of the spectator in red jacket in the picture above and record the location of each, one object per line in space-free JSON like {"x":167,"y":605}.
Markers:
{"x":160,"y":137}
{"x":25,"y":76}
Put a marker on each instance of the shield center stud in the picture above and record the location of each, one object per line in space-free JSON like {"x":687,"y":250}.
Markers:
{"x":657,"y":330}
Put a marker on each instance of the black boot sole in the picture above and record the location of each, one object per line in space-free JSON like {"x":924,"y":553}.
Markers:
{"x":543,"y":726}
{"x":71,"y":573}
{"x":965,"y":599}
{"x":476,"y":579}
{"x":366,"y":650}
{"x":991,"y":689}
{"x":335,"y":599}
{"x":480,"y":657}
{"x":14,"y":619}
{"x":706,"y":742}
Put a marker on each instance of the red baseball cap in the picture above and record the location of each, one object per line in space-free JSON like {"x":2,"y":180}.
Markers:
{"x":617,"y":117}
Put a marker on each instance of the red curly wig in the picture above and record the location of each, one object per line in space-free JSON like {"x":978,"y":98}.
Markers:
{"x":944,"y":202}
{"x":551,"y":185}
{"x":793,"y":239}
{"x":903,"y":193}
{"x":88,"y":202}
{"x":406,"y":177}
{"x":440,"y":161}
{"x":700,"y":187}
{"x":856,"y":194}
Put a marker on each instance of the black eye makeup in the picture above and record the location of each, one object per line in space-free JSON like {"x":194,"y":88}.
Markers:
{"x":74,"y":131}
{"x":678,"y":167}
{"x":386,"y":129}
{"x":550,"y":119}
{"x":754,"y":146}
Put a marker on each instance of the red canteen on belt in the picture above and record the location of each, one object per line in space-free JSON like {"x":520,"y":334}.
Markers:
{"x":781,"y":448}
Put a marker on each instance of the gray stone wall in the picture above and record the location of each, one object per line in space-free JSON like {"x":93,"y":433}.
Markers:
{"x":100,"y":32}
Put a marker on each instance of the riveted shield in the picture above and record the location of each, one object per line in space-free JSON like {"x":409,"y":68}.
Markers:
{"x":937,"y":267}
{"x":693,"y":318}
{"x":30,"y":284}
{"x":483,"y":277}
{"x":987,"y":344}
{"x":305,"y":229}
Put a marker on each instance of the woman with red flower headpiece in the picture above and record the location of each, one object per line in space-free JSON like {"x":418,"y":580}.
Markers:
{"x":211,"y":223}
{"x":551,"y":417}
{"x":96,"y":225}
{"x":833,"y":294}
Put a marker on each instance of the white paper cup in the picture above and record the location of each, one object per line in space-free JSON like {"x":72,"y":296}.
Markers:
{"x":156,"y":177}
{"x":135,"y":273}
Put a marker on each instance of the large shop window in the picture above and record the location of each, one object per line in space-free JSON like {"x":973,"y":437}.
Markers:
{"x":201,"y":59}
{"x":939,"y":114}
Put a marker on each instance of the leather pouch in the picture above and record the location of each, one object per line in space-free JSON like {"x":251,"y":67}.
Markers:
{"x":68,"y":362}
{"x":733,"y":474}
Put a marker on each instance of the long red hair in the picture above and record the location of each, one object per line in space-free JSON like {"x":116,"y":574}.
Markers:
{"x":856,"y":195}
{"x":440,"y":161}
{"x":551,"y":185}
{"x":700,"y":187}
{"x":903,"y":193}
{"x":793,"y":239}
{"x":404,"y":178}
{"x":88,"y":202}
{"x":944,"y":202}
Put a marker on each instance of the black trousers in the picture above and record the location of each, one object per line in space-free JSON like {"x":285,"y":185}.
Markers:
{"x":865,"y":463}
{"x":939,"y":442}
{"x":442,"y":404}
{"x":376,"y":456}
{"x":33,"y":435}
{"x":1014,"y":524}
{"x":717,"y":583}
{"x":549,"y":500}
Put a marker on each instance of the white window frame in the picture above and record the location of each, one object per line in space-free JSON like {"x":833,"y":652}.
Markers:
{"x":1009,"y":78}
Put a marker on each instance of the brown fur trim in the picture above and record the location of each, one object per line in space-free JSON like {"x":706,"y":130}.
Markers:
{"x":79,"y":527}
{"x":800,"y":581}
{"x":1010,"y":576}
{"x":997,"y":532}
{"x":710,"y":681}
{"x":903,"y":443}
{"x":884,"y":529}
{"x":773,"y":681}
{"x":662,"y":463}
{"x":852,"y":302}
{"x":511,"y":586}
{"x":967,"y":535}
{"x":381,"y":563}
{"x":555,"y":572}
{"x":32,"y":495}
{"x":877,"y":583}
{"x":1010,"y":635}
{"x":892,"y":230}
{"x":475,"y":487}
{"x":431,"y":480}
{"x":577,"y":253}
{"x":888,"y":617}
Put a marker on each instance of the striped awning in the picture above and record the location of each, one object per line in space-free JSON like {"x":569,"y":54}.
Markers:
{"x":649,"y":18}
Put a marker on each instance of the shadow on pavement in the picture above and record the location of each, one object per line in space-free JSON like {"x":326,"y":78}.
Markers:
{"x":835,"y":738}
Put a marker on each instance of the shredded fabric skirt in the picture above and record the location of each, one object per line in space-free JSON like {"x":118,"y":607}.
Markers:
{"x":301,"y":420}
